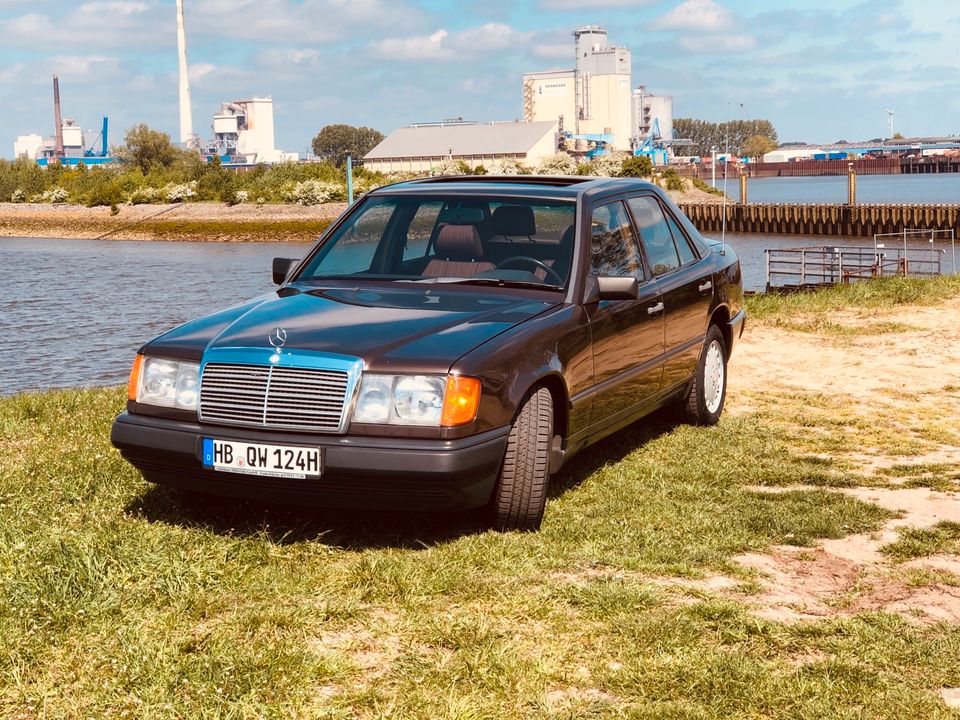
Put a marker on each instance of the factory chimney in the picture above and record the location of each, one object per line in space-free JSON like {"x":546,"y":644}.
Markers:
{"x":57,"y":119}
{"x":186,"y":115}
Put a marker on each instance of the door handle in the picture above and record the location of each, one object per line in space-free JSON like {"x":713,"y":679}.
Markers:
{"x":706,"y":286}
{"x":654,"y":309}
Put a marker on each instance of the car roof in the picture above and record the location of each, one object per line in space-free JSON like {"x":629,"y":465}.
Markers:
{"x":561,"y":187}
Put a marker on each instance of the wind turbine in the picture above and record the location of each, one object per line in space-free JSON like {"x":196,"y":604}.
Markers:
{"x":890,"y":112}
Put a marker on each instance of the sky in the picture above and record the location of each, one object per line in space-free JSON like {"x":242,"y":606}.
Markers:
{"x":820,"y":70}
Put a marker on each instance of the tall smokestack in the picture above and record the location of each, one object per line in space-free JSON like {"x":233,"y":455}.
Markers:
{"x":57,"y":119}
{"x":186,"y":116}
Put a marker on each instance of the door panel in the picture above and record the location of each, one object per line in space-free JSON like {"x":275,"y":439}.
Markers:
{"x":627,"y":335}
{"x":686,"y":320}
{"x":684,"y":279}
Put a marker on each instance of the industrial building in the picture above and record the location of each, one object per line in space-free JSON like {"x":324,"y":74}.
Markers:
{"x":68,"y":145}
{"x":421,"y":147}
{"x":585,"y":110}
{"x":243,"y":133}
{"x":651,"y":112}
{"x":595,"y":96}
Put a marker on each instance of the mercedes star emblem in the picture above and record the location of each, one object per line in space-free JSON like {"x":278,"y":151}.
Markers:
{"x":278,"y":337}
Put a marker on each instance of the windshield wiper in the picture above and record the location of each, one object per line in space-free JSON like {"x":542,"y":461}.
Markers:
{"x":499,"y":282}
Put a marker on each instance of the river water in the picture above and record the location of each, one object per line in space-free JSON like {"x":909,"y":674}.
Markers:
{"x":74,"y":312}
{"x":870,"y":189}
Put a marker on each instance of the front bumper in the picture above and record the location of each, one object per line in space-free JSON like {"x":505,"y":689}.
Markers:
{"x":358,"y":472}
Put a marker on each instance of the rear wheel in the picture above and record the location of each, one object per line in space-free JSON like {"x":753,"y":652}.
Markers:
{"x":703,"y":404}
{"x":521,"y":494}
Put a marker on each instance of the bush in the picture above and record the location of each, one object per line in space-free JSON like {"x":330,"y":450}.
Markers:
{"x":449,"y":167}
{"x":559,"y":164}
{"x":609,"y":165}
{"x":672,"y":179}
{"x":504,"y":166}
{"x":109,"y":193}
{"x":637,"y":166}
{"x":146,"y":196}
{"x":241,"y":196}
{"x":182,"y":192}
{"x":309,"y":192}
{"x":18,"y":196}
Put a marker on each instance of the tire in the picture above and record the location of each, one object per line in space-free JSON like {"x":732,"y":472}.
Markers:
{"x":703,"y":403}
{"x":521,"y":494}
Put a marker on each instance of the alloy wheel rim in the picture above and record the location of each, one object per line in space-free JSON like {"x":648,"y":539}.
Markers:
{"x":714,"y":377}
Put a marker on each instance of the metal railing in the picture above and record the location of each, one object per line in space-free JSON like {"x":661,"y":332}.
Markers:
{"x":826,"y":265}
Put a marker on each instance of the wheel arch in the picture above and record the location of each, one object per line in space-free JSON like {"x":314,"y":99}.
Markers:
{"x":721,"y":318}
{"x":555,"y":383}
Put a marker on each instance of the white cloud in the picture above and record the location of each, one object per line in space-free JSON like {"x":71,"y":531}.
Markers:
{"x":201,"y":70}
{"x":442,"y":45}
{"x":80,"y":66}
{"x":416,"y":47}
{"x":112,"y":7}
{"x":697,"y":15}
{"x":554,"y":51}
{"x":11,"y":73}
{"x":586,"y":5}
{"x":718,"y":43}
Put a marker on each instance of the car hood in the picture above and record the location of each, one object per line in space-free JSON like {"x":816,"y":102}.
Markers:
{"x":390,"y":329}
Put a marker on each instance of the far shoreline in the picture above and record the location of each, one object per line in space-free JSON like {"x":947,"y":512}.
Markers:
{"x":193,"y":221}
{"x":183,"y":222}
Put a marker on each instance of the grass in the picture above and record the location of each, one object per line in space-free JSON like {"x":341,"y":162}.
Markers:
{"x":871,"y":295}
{"x":126,"y":600}
{"x":921,"y":542}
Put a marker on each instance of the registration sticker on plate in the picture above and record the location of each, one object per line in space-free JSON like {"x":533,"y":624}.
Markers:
{"x":254,"y":459}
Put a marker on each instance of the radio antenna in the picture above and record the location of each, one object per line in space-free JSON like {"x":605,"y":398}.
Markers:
{"x":726,"y":159}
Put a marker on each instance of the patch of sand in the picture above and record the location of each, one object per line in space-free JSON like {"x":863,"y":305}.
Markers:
{"x":921,"y":360}
{"x":887,"y":371}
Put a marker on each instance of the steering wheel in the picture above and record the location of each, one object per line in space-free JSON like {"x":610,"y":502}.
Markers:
{"x":533,"y":261}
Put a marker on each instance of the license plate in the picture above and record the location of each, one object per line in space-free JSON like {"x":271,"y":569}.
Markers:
{"x":282,"y":461}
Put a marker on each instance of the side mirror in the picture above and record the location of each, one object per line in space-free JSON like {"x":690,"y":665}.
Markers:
{"x":281,"y":266}
{"x":618,"y":288}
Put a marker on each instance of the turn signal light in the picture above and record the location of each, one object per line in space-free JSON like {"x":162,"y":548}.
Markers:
{"x":134,"y":382}
{"x":460,"y":401}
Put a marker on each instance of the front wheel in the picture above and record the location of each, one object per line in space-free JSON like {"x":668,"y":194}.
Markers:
{"x":521,"y":495}
{"x":703,"y":404}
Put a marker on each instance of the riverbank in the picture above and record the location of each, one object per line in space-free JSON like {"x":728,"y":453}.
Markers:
{"x":195,"y":221}
{"x":191,"y":222}
{"x":798,"y":560}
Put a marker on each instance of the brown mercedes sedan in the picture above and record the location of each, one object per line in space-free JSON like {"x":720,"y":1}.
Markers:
{"x":447,"y":343}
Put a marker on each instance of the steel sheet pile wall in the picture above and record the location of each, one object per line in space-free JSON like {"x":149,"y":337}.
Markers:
{"x":807,"y":219}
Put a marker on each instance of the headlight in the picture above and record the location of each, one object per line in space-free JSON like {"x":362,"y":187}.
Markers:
{"x":417,"y":400}
{"x":167,"y":383}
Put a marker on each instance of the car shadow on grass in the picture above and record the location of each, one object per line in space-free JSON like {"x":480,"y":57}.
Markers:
{"x":370,"y":529}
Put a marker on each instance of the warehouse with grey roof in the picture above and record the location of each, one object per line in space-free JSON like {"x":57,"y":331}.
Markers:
{"x":422,"y":147}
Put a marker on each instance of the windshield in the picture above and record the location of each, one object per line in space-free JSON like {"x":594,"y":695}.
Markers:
{"x":444,"y":239}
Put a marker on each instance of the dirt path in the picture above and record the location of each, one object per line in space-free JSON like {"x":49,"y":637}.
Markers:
{"x":913,"y":373}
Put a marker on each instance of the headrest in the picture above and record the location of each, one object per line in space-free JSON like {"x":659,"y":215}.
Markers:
{"x":514,"y":221}
{"x":459,"y":242}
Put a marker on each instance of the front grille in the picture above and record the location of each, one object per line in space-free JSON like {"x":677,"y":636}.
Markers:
{"x":275,"y":397}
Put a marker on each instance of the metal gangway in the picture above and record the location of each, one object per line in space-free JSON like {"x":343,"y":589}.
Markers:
{"x":915,"y":253}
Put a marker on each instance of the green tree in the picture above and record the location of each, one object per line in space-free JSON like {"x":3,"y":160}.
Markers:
{"x":147,"y":148}
{"x":637,"y":166}
{"x":729,"y":136}
{"x":756,"y":146}
{"x":334,"y":142}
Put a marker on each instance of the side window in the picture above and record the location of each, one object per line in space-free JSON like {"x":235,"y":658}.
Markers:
{"x":421,"y":228}
{"x":687,"y":255}
{"x":655,"y":235}
{"x":613,"y":249}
